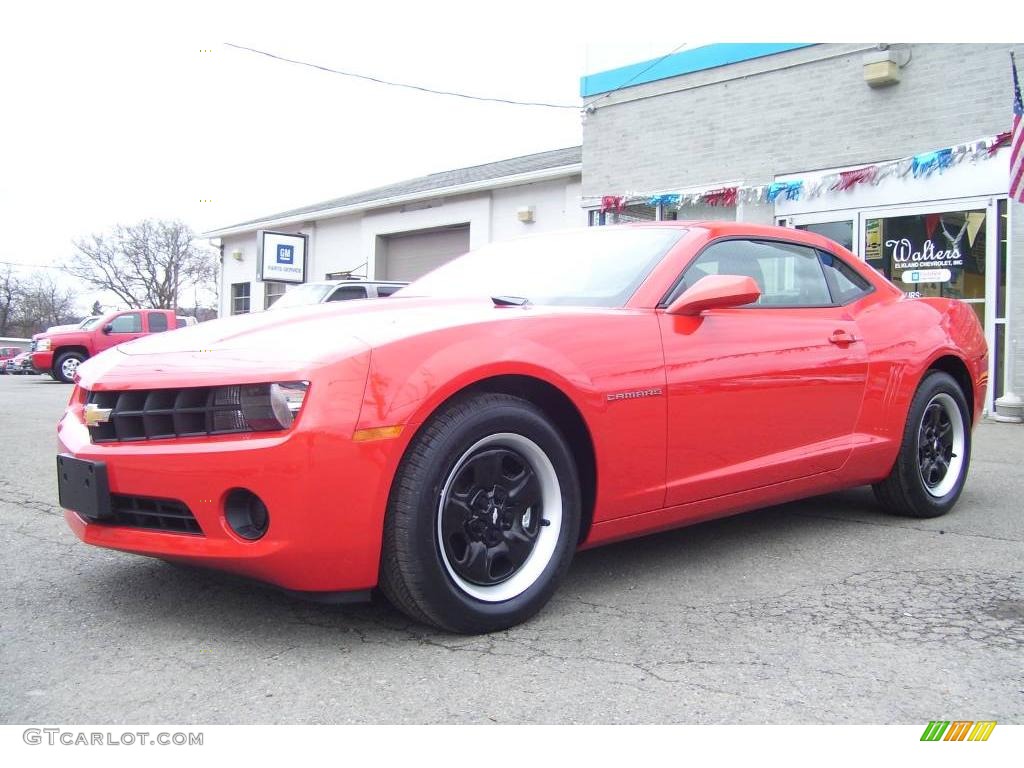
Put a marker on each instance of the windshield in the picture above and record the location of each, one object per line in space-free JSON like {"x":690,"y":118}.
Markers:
{"x":596,"y":267}
{"x":89,"y":322}
{"x":303,"y":295}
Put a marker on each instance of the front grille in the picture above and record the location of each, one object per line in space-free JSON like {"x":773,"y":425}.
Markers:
{"x":155,"y":514}
{"x":149,"y":414}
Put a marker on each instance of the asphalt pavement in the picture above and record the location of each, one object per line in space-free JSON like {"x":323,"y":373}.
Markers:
{"x":822,"y":611}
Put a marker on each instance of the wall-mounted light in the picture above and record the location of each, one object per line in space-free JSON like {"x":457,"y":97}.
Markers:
{"x":882,"y":66}
{"x":237,"y":254}
{"x":525,"y":214}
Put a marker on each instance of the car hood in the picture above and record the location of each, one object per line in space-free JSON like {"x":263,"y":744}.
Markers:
{"x":59,"y":331}
{"x":312,"y":331}
{"x":286,"y":345}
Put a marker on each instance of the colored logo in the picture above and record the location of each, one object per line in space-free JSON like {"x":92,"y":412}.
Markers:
{"x":285,"y":254}
{"x":958,"y":730}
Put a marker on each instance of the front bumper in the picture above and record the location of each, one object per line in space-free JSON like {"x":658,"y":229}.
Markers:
{"x":325,"y":493}
{"x":42,"y":361}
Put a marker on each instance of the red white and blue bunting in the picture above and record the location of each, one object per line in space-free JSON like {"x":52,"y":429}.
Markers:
{"x":919,"y":166}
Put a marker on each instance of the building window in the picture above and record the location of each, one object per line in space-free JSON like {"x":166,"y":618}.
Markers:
{"x":271,"y":293}
{"x":629,"y":213}
{"x":239,"y":298}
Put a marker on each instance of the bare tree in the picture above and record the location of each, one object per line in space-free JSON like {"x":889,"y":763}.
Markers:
{"x":45,"y":302}
{"x":11,"y":291}
{"x":146,"y":265}
{"x":33,"y":303}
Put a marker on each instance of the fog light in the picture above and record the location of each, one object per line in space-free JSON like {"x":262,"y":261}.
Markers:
{"x":246,"y":514}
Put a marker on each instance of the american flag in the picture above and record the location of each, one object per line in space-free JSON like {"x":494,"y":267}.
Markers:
{"x":1017,"y":140}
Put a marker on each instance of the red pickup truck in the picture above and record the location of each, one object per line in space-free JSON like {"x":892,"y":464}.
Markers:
{"x":59,"y":353}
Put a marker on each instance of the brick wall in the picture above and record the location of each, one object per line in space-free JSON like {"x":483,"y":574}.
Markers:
{"x":811,"y":109}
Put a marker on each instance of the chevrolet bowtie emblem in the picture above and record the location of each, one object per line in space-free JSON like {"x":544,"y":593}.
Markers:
{"x":95,"y":415}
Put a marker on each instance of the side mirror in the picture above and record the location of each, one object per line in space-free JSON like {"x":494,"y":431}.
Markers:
{"x":107,"y":328}
{"x":715,"y":292}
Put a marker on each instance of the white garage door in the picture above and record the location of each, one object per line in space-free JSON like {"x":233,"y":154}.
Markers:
{"x":413,"y":254}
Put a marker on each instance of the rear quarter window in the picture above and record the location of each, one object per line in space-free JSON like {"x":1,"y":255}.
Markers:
{"x":157,"y":322}
{"x":844,"y":282}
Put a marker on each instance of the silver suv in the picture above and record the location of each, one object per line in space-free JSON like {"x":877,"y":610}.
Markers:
{"x":335,"y":290}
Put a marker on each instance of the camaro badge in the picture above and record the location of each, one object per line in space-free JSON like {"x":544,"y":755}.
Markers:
{"x":652,"y":392}
{"x":95,"y":415}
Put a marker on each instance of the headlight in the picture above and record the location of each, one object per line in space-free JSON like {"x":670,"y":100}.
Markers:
{"x":258,"y":407}
{"x":43,"y":345}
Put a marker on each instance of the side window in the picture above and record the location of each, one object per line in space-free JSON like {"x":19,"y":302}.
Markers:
{"x":157,"y":322}
{"x":130,"y":322}
{"x":346,"y":292}
{"x":179,"y":322}
{"x":788,"y":275}
{"x":387,"y":290}
{"x":844,"y":282}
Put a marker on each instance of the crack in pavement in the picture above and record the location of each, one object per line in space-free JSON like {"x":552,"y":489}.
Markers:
{"x":942,"y":532}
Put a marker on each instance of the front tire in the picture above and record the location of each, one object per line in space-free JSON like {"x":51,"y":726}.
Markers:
{"x":931,"y":468}
{"x":65,"y":365}
{"x":483,"y":517}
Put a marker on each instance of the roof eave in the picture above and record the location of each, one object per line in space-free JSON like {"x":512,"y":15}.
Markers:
{"x":545,"y":174}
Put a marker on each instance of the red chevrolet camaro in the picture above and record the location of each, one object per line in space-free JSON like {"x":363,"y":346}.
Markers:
{"x":455,"y":444}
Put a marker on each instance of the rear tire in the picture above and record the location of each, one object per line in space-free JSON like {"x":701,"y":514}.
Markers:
{"x":931,"y":468}
{"x":65,"y":365}
{"x":483,"y":517}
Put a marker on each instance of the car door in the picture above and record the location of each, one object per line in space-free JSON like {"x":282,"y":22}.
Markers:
{"x":119,"y":329}
{"x":764,"y":393}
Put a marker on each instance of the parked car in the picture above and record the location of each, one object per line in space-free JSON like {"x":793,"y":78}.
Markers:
{"x":59,"y":354}
{"x":18,"y":365}
{"x":456,"y":447}
{"x":8,"y":353}
{"x":335,"y":290}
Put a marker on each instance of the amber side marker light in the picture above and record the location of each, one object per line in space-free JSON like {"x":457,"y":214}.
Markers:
{"x":376,"y":433}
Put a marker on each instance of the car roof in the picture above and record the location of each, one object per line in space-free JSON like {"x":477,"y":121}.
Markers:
{"x":724,"y":228}
{"x":357,"y":282}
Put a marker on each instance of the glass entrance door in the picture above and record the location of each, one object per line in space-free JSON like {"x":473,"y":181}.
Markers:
{"x":951,"y":250}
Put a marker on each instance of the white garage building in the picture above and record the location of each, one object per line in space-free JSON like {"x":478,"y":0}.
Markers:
{"x":403,"y":230}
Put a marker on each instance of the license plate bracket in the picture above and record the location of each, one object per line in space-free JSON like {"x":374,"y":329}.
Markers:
{"x":82,"y":487}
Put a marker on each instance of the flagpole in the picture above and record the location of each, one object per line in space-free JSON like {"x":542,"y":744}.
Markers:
{"x":1010,"y":407}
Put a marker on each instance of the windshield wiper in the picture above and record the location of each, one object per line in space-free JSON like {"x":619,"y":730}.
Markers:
{"x":510,"y":301}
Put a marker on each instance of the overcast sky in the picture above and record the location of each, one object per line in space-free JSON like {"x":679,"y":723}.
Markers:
{"x":111,"y":112}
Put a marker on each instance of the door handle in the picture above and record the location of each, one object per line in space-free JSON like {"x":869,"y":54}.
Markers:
{"x":842,"y":337}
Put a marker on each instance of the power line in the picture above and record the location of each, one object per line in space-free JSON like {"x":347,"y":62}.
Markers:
{"x":410,"y":86}
{"x":643,"y":71}
{"x":33,"y":266}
